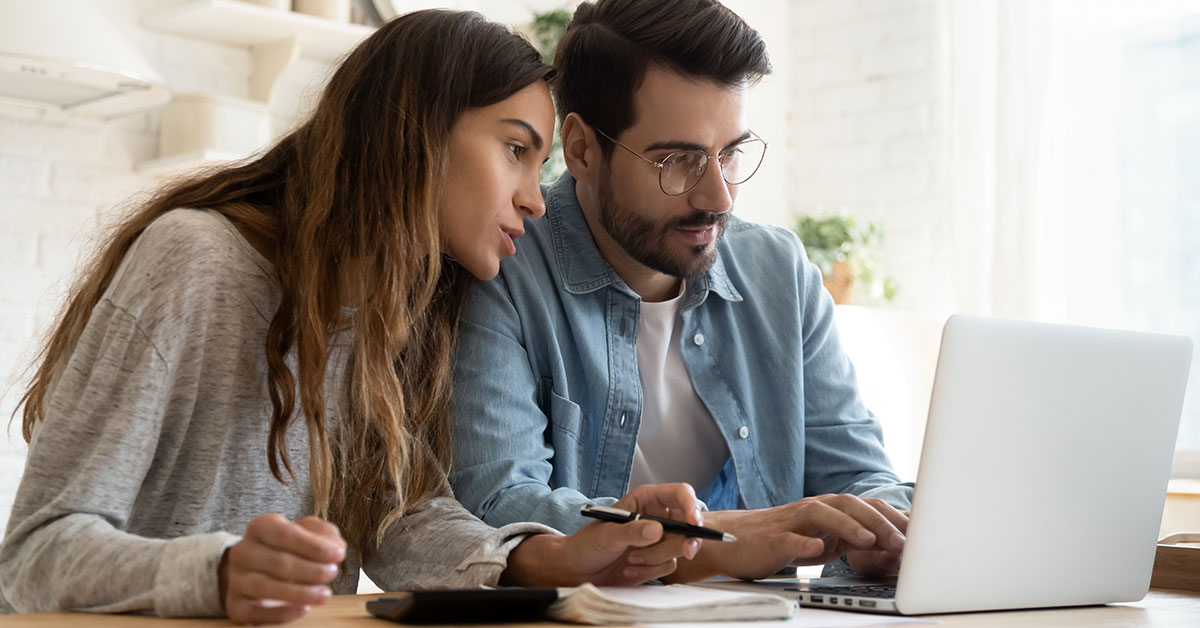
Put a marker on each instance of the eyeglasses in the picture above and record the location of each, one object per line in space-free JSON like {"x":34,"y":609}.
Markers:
{"x":680,"y":171}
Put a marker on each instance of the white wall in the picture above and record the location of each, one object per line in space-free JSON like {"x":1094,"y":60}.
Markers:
{"x":61,"y":177}
{"x":765,"y":197}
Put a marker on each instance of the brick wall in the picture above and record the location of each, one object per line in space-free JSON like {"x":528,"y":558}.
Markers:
{"x":55,"y":178}
{"x":63,"y":177}
{"x":866,"y":130}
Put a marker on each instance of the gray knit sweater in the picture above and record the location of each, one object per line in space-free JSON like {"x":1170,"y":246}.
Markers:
{"x":153,"y":455}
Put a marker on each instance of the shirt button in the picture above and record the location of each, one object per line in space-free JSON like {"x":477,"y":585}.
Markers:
{"x":744,"y":432}
{"x":622,"y":420}
{"x":698,"y":339}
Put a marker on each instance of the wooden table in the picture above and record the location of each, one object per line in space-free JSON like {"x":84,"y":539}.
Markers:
{"x":1161,"y":608}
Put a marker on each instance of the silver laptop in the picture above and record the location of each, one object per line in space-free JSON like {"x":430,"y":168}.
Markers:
{"x":1043,"y":473}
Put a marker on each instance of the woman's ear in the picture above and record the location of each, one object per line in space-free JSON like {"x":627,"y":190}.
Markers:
{"x":580,"y":149}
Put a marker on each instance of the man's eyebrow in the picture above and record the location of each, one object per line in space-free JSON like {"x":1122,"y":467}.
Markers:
{"x":534,"y":136}
{"x":682,"y":145}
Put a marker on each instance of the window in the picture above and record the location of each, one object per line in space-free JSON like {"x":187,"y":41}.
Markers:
{"x":1131,"y":149}
{"x":1073,"y":134}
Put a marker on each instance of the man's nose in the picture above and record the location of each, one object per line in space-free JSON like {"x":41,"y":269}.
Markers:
{"x":712,"y":193}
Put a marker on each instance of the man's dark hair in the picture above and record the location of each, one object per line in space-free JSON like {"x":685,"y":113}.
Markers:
{"x":603,"y":55}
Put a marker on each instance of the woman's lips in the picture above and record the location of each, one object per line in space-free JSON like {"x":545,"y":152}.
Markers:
{"x":510,"y":236}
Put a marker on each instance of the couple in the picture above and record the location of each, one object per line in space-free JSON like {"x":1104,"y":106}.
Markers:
{"x":248,"y":394}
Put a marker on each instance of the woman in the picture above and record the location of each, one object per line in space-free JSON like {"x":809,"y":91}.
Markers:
{"x":273,"y":340}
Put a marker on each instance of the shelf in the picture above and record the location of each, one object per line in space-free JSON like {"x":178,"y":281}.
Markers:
{"x":274,"y":38}
{"x":1181,"y":487}
{"x":175,"y":164}
{"x":244,"y":24}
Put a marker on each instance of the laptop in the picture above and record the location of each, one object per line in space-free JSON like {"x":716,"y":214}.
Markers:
{"x":1043,"y":472}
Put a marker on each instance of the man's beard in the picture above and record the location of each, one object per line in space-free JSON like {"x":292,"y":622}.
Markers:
{"x":646,"y":242}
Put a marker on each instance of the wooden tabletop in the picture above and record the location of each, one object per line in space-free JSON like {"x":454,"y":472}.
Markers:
{"x":1161,"y":608}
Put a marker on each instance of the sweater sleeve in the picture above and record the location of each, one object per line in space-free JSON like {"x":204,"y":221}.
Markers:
{"x":439,"y":545}
{"x":66,"y":548}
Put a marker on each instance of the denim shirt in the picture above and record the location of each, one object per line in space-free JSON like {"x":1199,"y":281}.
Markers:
{"x":547,"y":399}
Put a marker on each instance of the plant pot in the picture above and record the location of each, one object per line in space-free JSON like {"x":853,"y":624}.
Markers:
{"x":840,"y":282}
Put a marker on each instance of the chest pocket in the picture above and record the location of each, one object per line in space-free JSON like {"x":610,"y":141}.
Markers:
{"x":565,"y":416}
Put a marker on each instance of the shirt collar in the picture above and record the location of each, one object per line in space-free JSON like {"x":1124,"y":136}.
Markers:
{"x":585,"y":270}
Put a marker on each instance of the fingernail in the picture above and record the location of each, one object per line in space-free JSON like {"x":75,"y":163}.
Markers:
{"x":693,"y":548}
{"x":865,"y":535}
{"x":636,"y":559}
{"x":897,"y":541}
{"x":330,"y":569}
{"x":630,"y":572}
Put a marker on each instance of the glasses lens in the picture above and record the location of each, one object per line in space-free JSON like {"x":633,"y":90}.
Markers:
{"x":682,"y":170}
{"x":740,"y":162}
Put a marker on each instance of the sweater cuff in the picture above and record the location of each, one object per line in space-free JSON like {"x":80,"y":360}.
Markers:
{"x":502,"y":542}
{"x":186,"y":582}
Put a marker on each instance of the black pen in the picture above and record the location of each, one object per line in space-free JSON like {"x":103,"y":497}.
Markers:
{"x":616,"y":515}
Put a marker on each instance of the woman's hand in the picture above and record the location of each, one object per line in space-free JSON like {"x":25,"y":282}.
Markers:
{"x":279,"y":569}
{"x":612,"y":553}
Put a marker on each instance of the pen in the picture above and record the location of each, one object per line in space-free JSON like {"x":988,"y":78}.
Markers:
{"x":616,"y":515}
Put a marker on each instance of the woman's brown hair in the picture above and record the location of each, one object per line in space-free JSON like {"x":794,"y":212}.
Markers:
{"x":356,"y":186}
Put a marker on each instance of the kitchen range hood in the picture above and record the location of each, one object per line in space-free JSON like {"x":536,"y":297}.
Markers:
{"x":69,"y":56}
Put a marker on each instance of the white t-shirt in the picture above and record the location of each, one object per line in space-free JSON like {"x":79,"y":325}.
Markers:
{"x":678,"y":441}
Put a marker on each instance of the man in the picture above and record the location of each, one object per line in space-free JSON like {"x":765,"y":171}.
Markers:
{"x":641,"y":334}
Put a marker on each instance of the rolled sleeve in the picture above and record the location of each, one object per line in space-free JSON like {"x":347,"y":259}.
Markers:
{"x":440,"y":545}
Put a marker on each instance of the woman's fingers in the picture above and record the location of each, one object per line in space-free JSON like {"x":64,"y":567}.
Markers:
{"x":633,"y":575}
{"x":280,"y":568}
{"x":324,"y":529}
{"x":278,"y":533}
{"x":253,"y":557}
{"x":673,"y":501}
{"x":614,"y":539}
{"x":671,"y":547}
{"x":259,"y":586}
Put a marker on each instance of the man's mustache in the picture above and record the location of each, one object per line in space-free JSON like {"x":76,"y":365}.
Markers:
{"x":700,"y":220}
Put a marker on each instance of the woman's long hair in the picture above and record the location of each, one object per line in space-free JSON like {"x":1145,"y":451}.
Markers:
{"x":356,"y":186}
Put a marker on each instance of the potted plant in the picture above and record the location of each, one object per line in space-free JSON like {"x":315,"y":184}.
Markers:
{"x":845,"y":253}
{"x":547,"y":28}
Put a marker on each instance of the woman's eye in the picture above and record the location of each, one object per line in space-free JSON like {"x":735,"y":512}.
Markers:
{"x":517,"y":150}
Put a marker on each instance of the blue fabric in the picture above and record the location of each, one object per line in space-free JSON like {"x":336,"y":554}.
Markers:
{"x":722,"y":493}
{"x":547,"y":398}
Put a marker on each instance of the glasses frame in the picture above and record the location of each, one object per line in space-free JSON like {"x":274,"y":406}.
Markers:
{"x":661,"y":165}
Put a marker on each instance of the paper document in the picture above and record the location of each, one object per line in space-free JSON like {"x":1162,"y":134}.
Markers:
{"x":655,"y":604}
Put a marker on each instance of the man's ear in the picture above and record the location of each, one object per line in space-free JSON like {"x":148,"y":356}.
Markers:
{"x":580,"y":149}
